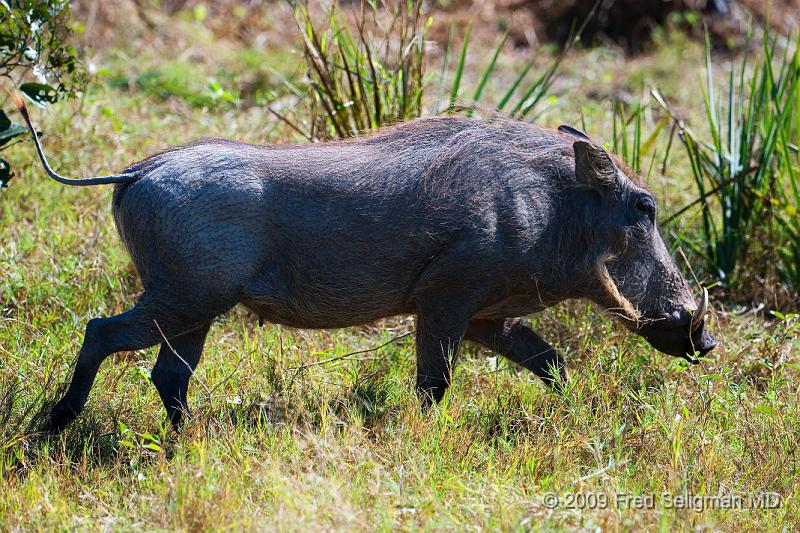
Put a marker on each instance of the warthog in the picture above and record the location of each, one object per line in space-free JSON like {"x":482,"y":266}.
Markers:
{"x":467,"y":224}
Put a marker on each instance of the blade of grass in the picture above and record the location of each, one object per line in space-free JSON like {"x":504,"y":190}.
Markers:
{"x":459,"y":69}
{"x":487,"y":72}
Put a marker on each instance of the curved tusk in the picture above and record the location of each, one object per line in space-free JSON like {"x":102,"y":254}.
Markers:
{"x":700,"y":314}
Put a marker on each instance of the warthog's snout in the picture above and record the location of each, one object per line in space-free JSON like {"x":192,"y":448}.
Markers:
{"x":681,"y":333}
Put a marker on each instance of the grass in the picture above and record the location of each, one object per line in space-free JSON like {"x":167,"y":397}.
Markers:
{"x":358,"y":81}
{"x":746,"y":166}
{"x":281,"y":442}
{"x":374,"y":71}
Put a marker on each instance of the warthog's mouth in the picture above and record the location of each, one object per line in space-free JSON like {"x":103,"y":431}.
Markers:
{"x":678,"y":341}
{"x":682,"y":334}
{"x":706,"y":344}
{"x":679,"y":344}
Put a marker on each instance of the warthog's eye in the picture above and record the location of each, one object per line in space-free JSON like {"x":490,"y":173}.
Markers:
{"x":647,"y":206}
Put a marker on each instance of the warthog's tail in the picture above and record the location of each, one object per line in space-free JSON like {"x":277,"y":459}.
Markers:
{"x":99,"y":180}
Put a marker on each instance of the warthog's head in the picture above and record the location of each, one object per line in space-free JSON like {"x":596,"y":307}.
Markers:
{"x":631,"y":271}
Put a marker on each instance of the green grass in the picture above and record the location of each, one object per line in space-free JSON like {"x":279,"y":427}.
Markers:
{"x":280,"y":442}
{"x":745,"y":169}
{"x":375,"y":71}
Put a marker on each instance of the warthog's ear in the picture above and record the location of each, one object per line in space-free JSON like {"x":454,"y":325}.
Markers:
{"x":594,"y":168}
{"x":569,"y":130}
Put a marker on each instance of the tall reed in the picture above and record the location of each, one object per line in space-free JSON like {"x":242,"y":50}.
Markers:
{"x":368,"y":68}
{"x":744,"y":168}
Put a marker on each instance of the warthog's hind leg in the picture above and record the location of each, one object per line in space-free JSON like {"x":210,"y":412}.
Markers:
{"x":519,"y":343}
{"x":171,"y":372}
{"x":132,"y":330}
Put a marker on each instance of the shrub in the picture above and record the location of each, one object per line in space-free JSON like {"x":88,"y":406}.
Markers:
{"x":33,"y":41}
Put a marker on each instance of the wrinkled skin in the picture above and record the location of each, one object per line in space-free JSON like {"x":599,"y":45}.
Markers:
{"x":467,"y":224}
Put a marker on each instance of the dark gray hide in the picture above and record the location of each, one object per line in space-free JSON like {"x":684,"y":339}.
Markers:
{"x":467,"y":224}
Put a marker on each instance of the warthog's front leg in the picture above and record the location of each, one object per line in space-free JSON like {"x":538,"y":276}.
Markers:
{"x":439,"y":337}
{"x":175,"y":365}
{"x":519,"y":343}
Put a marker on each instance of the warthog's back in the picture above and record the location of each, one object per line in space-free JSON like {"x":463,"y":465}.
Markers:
{"x":334,"y":234}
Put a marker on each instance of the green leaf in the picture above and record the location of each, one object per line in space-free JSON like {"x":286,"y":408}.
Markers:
{"x":765,"y":410}
{"x":39,"y":93}
{"x":150,"y":437}
{"x":489,"y":69}
{"x":5,"y":122}
{"x":15,"y":130}
{"x":5,"y":173}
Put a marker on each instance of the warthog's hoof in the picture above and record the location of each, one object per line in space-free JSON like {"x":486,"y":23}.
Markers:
{"x":431,"y":391}
{"x":61,"y":415}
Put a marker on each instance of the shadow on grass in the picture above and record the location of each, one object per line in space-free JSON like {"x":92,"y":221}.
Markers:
{"x":367,"y":401}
